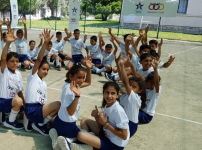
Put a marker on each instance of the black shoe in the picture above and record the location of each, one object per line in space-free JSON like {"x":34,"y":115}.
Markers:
{"x":2,"y":117}
{"x":41,"y":129}
{"x":13,"y":125}
{"x":63,"y":64}
{"x":27,"y":124}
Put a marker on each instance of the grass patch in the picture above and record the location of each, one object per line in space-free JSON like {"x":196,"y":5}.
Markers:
{"x":95,"y":26}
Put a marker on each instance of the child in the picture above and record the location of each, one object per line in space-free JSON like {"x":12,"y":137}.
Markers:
{"x":51,"y":54}
{"x":76,"y":47}
{"x":10,"y":85}
{"x":3,"y":38}
{"x":21,"y":45}
{"x":153,"y":92}
{"x":65,"y":122}
{"x":34,"y":50}
{"x":154,"y":44}
{"x":111,"y":127}
{"x":59,"y":45}
{"x":36,"y":111}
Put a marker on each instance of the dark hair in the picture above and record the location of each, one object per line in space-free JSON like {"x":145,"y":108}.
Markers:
{"x":12,"y":54}
{"x":142,"y":47}
{"x":106,"y":85}
{"x":4,"y":34}
{"x":74,"y":70}
{"x":50,"y":43}
{"x":154,"y":54}
{"x":76,"y":30}
{"x":153,"y":42}
{"x":145,"y":55}
{"x":58,"y":33}
{"x":31,"y":42}
{"x":42,"y":63}
{"x":19,"y":31}
{"x":151,"y":77}
{"x":143,"y":87}
{"x":108,"y":46}
{"x":125,"y":36}
{"x":94,"y":38}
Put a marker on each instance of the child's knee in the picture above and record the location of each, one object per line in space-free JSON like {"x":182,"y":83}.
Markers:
{"x":26,"y":63}
{"x":57,"y":105}
{"x":108,"y":67}
{"x":83,"y":121}
{"x":115,"y":69}
{"x":17,"y":101}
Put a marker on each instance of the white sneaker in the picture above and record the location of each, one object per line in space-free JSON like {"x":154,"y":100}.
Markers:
{"x":63,"y":144}
{"x":75,"y":146}
{"x":54,"y":136}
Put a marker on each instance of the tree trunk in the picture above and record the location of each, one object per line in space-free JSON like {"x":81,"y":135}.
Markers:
{"x":52,"y":12}
{"x":104,"y":17}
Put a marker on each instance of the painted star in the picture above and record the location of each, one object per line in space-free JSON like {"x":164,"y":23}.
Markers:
{"x":74,"y":10}
{"x":14,"y":6}
{"x":139,"y":6}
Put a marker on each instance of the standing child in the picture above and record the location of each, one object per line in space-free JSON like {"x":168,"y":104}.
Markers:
{"x":36,"y":111}
{"x":65,"y":122}
{"x":111,"y":127}
{"x":10,"y":85}
{"x":76,"y":48}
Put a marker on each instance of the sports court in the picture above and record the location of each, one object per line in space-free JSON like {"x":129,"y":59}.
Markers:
{"x":177,"y":124}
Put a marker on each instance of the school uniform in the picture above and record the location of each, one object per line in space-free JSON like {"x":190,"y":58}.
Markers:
{"x":146,"y":114}
{"x":10,"y":85}
{"x":117,"y":118}
{"x":123,"y":51}
{"x":51,"y":52}
{"x":3,"y":43}
{"x":76,"y":48}
{"x":107,"y":59}
{"x":21,"y":49}
{"x":32,"y":54}
{"x":95,"y":53}
{"x":59,"y":46}
{"x":146,"y":72}
{"x":136,"y":62}
{"x":131,"y":104}
{"x":35,"y":97}
{"x":64,"y":123}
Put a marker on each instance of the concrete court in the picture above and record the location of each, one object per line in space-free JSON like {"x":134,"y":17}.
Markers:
{"x":177,"y":124}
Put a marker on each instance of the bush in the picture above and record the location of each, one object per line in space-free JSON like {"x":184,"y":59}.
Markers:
{"x":99,"y":16}
{"x":51,"y":18}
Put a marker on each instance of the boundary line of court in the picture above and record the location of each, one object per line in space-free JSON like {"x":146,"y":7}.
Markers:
{"x":156,"y":113}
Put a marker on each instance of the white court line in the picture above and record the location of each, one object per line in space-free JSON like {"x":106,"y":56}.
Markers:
{"x":156,"y":113}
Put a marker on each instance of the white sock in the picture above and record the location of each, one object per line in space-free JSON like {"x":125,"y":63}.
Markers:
{"x":13,"y":115}
{"x":57,"y":61}
{"x":32,"y":65}
{"x":116,"y":76}
{"x":47,"y":119}
{"x":40,"y":124}
{"x":48,"y":60}
{"x":101,"y":70}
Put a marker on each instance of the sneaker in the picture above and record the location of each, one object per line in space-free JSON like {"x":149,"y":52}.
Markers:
{"x":2,"y":117}
{"x":29,"y":68}
{"x":63,"y":143}
{"x":41,"y":129}
{"x":13,"y":125}
{"x":19,"y":66}
{"x":54,"y":136}
{"x":27,"y":124}
{"x":58,"y":68}
{"x":109,"y":77}
{"x":75,"y":146}
{"x":93,"y":71}
{"x":22,"y":66}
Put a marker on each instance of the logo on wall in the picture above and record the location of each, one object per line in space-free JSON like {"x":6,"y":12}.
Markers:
{"x":74,"y":11}
{"x":139,"y":8}
{"x":156,"y":6}
{"x":73,"y":20}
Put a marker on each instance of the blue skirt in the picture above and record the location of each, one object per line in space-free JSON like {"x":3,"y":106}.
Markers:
{"x":144,"y":117}
{"x":132,"y":127}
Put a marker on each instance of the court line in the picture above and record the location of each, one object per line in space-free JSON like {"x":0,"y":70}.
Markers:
{"x":191,"y":121}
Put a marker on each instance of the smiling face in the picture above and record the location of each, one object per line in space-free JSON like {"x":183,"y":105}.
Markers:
{"x":108,"y":50}
{"x":59,"y":38}
{"x":49,"y":47}
{"x":153,"y":46}
{"x":12,"y":64}
{"x":150,"y":84}
{"x":110,"y":95}
{"x":32,"y":45}
{"x":43,"y":70}
{"x":92,"y":42}
{"x":20,"y":35}
{"x":76,"y":34}
{"x":146,"y":63}
{"x":79,"y":77}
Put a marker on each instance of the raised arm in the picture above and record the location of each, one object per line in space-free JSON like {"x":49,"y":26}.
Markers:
{"x":129,"y":40}
{"x":159,"y":47}
{"x":41,"y":41}
{"x":95,"y":114}
{"x":117,"y":59}
{"x":169,"y":62}
{"x":137,"y":42}
{"x":156,"y":75}
{"x":9,"y":39}
{"x":25,"y":27}
{"x":145,"y":35}
{"x":85,"y":38}
{"x":115,"y":37}
{"x":1,"y":23}
{"x":101,"y":41}
{"x":47,"y":37}
{"x":69,"y":34}
{"x":115,"y":47}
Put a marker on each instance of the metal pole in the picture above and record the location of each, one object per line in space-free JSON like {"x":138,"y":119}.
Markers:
{"x":158,"y":28}
{"x":30,"y":14}
{"x":120,"y":17}
{"x":56,"y":15}
{"x":85,"y":18}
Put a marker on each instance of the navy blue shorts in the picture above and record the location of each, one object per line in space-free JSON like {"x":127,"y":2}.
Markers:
{"x":6,"y":105}
{"x":23,"y":57}
{"x":143,"y":117}
{"x":51,"y":58}
{"x":66,"y":129}
{"x":106,"y":71}
{"x":77,"y":58}
{"x":34,"y":60}
{"x":132,"y":127}
{"x":61,"y":56}
{"x":34,"y":112}
{"x":106,"y":144}
{"x":96,"y":61}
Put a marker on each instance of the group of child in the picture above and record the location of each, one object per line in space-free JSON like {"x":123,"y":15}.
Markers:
{"x":138,"y":70}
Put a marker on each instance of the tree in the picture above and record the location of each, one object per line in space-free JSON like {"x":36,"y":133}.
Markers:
{"x":5,"y":7}
{"x":103,"y":7}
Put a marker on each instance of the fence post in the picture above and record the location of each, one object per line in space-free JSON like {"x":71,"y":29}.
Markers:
{"x":56,"y":14}
{"x":158,"y":28}
{"x":30,"y":14}
{"x":120,"y":17}
{"x":85,"y":18}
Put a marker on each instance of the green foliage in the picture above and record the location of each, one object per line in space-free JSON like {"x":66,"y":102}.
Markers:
{"x":51,"y":18}
{"x":98,"y":16}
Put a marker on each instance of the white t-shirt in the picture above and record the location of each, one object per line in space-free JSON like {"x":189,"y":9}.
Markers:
{"x":95,"y":51}
{"x":51,"y":52}
{"x":117,"y":118}
{"x":136,"y":62}
{"x":67,"y":97}
{"x":36,"y":91}
{"x":21,"y":46}
{"x":107,"y":58}
{"x":145,"y":73}
{"x":131,"y":104}
{"x":76,"y":46}
{"x":3,"y":43}
{"x":59,"y":45}
{"x":123,"y":51}
{"x":10,"y":83}
{"x":152,"y":101}
{"x":32,"y":54}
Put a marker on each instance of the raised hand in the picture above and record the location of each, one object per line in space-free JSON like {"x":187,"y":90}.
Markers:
{"x":10,"y":36}
{"x":171,"y":59}
{"x":66,"y":31}
{"x":110,"y":30}
{"x":161,"y":43}
{"x":1,"y":22}
{"x":23,"y":20}
{"x":129,"y":38}
{"x":117,"y":58}
{"x":46,"y":35}
{"x":85,"y":37}
{"x":88,"y":62}
{"x":100,"y":34}
{"x":75,"y":88}
{"x":155,"y":63}
{"x":133,"y":35}
{"x":141,"y":32}
{"x":146,"y":29}
{"x":128,"y":62}
{"x":94,"y":113}
{"x":69,"y":34}
{"x":102,"y":119}
{"x":112,"y":39}
{"x":40,"y":36}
